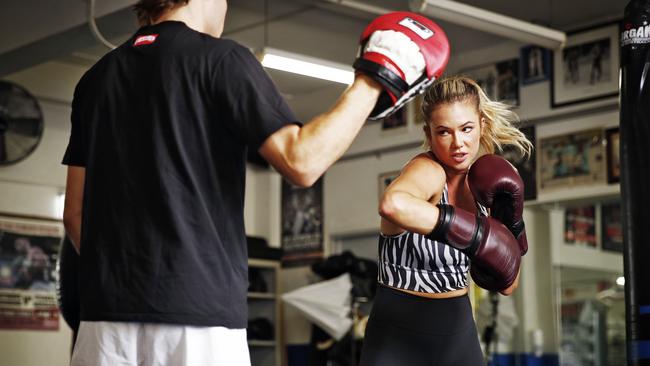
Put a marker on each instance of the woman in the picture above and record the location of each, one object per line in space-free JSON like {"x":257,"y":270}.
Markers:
{"x":421,"y":314}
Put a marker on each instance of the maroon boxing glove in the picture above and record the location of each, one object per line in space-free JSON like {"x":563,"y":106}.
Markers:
{"x":483,"y":278}
{"x":486,"y":241}
{"x":496,"y":184}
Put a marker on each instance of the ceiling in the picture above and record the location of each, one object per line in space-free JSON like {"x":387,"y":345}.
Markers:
{"x":33,"y":32}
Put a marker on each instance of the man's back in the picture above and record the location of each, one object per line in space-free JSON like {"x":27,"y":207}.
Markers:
{"x":164,"y":143}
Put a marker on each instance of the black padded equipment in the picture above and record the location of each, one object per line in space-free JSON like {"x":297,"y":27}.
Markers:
{"x":67,"y":290}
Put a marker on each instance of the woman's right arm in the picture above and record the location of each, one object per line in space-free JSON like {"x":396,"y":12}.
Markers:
{"x":405,"y":203}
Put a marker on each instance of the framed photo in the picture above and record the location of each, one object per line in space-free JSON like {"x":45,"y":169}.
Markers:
{"x":612,"y":227}
{"x":500,"y":81}
{"x":525,"y":166}
{"x":535,"y":64}
{"x":302,"y":224}
{"x":586,"y":68}
{"x":395,"y":120}
{"x":571,"y":160}
{"x":580,"y":226}
{"x":384,"y":180}
{"x":613,"y":137}
{"x":29,"y":251}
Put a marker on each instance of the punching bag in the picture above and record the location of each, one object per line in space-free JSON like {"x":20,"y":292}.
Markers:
{"x":635,"y":176}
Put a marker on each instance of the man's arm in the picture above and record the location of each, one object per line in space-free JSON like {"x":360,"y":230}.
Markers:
{"x":302,"y":155}
{"x":74,"y":191}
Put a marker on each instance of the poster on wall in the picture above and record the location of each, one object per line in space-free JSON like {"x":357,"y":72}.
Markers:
{"x":384,"y":180}
{"x":395,"y":121}
{"x":580,"y":226}
{"x":572,"y":160}
{"x":28,"y":255}
{"x":612,"y":227}
{"x":586,"y":68}
{"x":302,"y":224}
{"x":500,"y":80}
{"x":535,"y":64}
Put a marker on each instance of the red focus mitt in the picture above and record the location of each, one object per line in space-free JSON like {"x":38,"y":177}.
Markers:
{"x":405,"y":52}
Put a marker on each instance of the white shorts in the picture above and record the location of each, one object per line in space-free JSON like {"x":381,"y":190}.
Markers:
{"x":139,"y":344}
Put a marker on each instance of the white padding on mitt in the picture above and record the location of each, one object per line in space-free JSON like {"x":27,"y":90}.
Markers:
{"x":400,"y":49}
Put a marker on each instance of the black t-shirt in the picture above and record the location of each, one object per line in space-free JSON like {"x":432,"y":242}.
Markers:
{"x":161,"y":125}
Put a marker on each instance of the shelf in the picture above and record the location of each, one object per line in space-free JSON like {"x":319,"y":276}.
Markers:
{"x":263,"y":263}
{"x":265,"y":304}
{"x":261,"y":295}
{"x":259,"y":343}
{"x":575,"y":195}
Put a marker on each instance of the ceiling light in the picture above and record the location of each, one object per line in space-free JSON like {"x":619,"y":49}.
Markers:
{"x":59,"y":205}
{"x":487,"y":21}
{"x":307,"y":66}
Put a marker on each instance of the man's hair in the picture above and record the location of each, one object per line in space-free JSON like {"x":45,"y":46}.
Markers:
{"x":148,"y":11}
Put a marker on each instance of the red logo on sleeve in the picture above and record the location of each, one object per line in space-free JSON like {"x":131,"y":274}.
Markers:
{"x":146,"y":39}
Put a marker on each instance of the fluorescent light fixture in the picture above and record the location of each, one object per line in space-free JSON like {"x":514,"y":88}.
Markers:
{"x":487,"y":21}
{"x":59,"y":204}
{"x":308,"y":66}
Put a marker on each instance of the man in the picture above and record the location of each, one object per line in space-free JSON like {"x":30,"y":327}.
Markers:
{"x":156,"y":173}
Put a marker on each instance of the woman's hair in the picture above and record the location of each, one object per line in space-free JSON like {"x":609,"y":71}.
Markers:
{"x":148,"y":11}
{"x":499,"y":127}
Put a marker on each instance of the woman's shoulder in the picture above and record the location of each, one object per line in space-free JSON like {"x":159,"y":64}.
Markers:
{"x":427,"y":160}
{"x":424,"y":175}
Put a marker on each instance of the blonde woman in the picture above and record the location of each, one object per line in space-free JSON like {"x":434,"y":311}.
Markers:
{"x":435,"y":226}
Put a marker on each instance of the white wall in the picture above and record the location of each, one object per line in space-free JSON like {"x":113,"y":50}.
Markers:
{"x":536,"y":294}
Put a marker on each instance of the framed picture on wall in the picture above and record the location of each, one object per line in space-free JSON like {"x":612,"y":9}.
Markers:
{"x":611,"y":227}
{"x":395,"y":121}
{"x":535,"y":64}
{"x":302,"y":224}
{"x":586,"y":69}
{"x":571,"y":160}
{"x":525,"y":166}
{"x":28,"y":255}
{"x":612,"y":137}
{"x":580,"y":226}
{"x":384,"y":180}
{"x":500,"y":80}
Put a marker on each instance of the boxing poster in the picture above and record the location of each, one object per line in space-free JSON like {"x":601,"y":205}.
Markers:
{"x":302,"y":224}
{"x":28,"y":276}
{"x":612,"y":227}
{"x":586,"y":68}
{"x":572,"y":160}
{"x":395,"y":120}
{"x":535,"y":64}
{"x":580,"y":226}
{"x":500,"y":80}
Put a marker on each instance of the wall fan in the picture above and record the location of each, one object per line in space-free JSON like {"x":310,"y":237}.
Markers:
{"x":21,"y":123}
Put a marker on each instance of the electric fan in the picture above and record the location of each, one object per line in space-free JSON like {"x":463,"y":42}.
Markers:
{"x":21,"y":123}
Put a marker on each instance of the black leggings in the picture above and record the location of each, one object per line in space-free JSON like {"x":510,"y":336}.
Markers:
{"x":405,"y":329}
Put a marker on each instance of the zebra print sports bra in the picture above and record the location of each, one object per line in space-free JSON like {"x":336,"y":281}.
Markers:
{"x":410,"y":261}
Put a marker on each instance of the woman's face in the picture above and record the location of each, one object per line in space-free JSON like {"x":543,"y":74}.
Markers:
{"x":454,"y":134}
